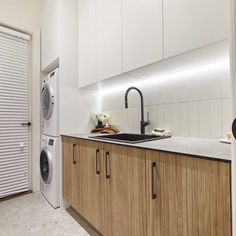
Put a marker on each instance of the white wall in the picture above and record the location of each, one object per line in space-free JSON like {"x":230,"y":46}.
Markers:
{"x":60,"y":40}
{"x":190,"y":102}
{"x":25,"y":15}
{"x":75,"y":105}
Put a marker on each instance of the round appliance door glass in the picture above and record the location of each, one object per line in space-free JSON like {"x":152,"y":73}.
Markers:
{"x":46,"y":166}
{"x":46,"y":102}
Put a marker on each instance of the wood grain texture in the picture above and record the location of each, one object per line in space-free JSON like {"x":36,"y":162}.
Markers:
{"x":125,"y":195}
{"x":208,"y":198}
{"x":167,"y":215}
{"x":193,"y":196}
{"x":89,"y":188}
{"x":68,"y":169}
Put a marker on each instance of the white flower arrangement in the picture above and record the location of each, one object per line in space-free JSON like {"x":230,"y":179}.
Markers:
{"x":99,"y":117}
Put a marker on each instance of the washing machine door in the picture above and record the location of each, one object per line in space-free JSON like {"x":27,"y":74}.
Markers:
{"x":46,"y":167}
{"x":47,"y":101}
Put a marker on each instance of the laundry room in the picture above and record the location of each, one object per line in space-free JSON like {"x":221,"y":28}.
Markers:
{"x":117,"y":118}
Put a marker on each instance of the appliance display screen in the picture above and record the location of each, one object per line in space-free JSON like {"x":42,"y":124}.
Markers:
{"x":50,"y":142}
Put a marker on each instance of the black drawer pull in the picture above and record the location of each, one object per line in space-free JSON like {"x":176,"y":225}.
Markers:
{"x":74,"y":147}
{"x":107,"y":165}
{"x":153,"y":173}
{"x":97,"y":162}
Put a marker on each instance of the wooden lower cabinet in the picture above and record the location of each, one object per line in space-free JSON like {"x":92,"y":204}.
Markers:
{"x":125,"y":191}
{"x":69,"y":161}
{"x":89,"y":179}
{"x":187,"y":196}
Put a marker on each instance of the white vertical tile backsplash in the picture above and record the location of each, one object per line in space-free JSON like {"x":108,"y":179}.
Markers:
{"x":184,"y":119}
{"x":194,"y":104}
{"x":167,"y":117}
{"x":215,"y":119}
{"x":193,"y":119}
{"x":204,"y":119}
{"x":175,"y":119}
{"x":227,"y":117}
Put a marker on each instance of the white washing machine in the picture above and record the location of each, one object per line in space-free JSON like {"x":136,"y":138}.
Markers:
{"x":49,"y":170}
{"x":50,"y":104}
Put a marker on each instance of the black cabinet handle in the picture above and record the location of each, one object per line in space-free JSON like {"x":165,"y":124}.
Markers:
{"x":153,"y":173}
{"x":97,"y":161}
{"x":107,"y":166}
{"x":74,"y":146}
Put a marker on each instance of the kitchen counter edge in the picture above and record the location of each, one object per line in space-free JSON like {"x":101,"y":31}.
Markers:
{"x":201,"y":148}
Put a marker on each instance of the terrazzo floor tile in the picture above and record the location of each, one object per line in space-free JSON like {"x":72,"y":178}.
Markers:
{"x":31,"y":215}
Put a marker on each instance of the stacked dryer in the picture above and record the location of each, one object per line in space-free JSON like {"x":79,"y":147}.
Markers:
{"x":49,"y":156}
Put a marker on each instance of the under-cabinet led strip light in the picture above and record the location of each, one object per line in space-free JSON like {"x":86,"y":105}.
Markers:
{"x":177,"y":75}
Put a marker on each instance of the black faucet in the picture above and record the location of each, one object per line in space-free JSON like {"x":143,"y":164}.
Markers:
{"x":143,"y":123}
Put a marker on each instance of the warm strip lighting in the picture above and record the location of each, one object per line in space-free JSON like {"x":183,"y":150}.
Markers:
{"x":177,"y":75}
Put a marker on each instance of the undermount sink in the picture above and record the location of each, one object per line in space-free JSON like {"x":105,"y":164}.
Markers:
{"x":129,"y":138}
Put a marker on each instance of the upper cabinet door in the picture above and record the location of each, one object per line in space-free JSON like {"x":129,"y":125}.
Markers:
{"x":100,"y":53}
{"x":142,"y":33}
{"x":87,"y":57}
{"x":108,"y":38}
{"x":191,"y":24}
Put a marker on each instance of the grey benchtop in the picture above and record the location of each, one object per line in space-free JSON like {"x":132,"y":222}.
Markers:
{"x":189,"y":146}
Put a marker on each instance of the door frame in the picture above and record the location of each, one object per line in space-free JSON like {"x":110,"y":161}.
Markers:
{"x":22,"y":34}
{"x":34,"y":102}
{"x":232,"y":37}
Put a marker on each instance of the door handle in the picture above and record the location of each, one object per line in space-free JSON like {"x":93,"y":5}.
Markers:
{"x":153,"y":180}
{"x":74,"y":146}
{"x":234,"y":128}
{"x":107,"y":165}
{"x":26,"y":124}
{"x":97,"y":162}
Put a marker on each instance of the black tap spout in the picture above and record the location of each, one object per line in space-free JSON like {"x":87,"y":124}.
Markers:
{"x":142,"y":122}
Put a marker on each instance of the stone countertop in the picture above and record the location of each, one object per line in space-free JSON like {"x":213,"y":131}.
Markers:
{"x":206,"y":148}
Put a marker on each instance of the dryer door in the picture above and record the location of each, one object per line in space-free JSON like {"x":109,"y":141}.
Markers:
{"x":46,"y":167}
{"x":47,"y":102}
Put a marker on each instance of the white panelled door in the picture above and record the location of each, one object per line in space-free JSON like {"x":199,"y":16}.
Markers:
{"x":14,"y":113}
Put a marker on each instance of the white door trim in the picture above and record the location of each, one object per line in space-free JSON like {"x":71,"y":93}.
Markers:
{"x":26,"y":36}
{"x":232,"y":36}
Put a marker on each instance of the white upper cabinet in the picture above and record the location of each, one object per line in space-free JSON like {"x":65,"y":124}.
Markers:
{"x":87,"y":37}
{"x":117,"y":36}
{"x":142,"y":33}
{"x":191,"y":24}
{"x":49,"y":33}
{"x":108,"y":38}
{"x":100,"y":53}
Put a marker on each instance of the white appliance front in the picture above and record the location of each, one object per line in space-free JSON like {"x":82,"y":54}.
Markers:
{"x":50,"y":104}
{"x":50,"y":170}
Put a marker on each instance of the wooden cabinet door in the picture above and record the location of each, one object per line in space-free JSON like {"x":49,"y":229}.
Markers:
{"x":166,"y":194}
{"x":89,"y":195}
{"x":187,"y":196}
{"x":69,"y":155}
{"x":125,"y":196}
{"x":142,"y":38}
{"x":208,"y":198}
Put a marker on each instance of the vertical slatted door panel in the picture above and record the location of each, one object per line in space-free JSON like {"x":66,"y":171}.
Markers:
{"x":14,"y":110}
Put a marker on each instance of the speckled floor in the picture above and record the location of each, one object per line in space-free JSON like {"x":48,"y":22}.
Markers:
{"x":32,"y":215}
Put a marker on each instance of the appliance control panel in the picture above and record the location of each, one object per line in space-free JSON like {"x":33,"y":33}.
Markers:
{"x":50,"y":142}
